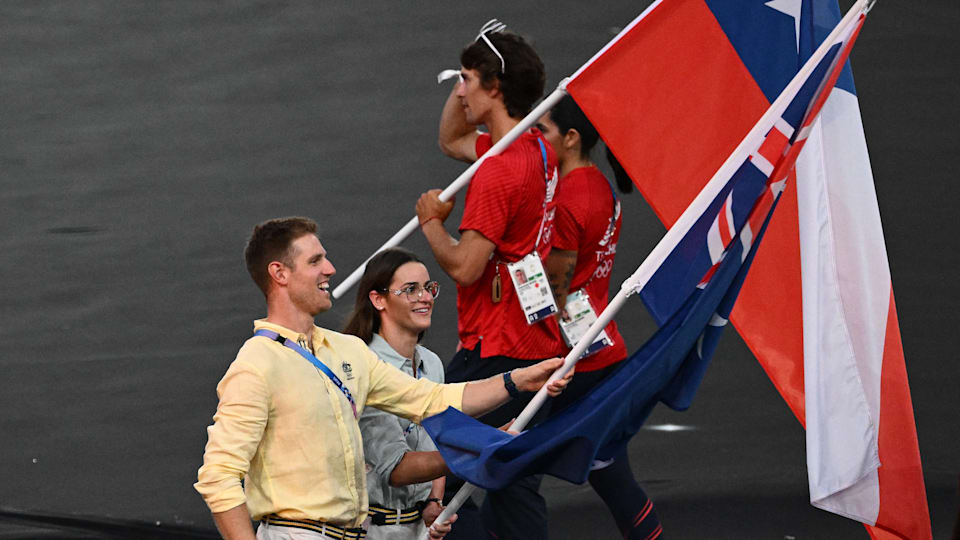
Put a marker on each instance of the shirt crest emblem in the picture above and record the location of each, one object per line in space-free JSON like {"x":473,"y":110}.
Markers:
{"x":552,"y":186}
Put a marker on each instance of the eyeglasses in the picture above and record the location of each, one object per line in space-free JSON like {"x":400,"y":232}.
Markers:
{"x":414,"y":291}
{"x":492,"y":27}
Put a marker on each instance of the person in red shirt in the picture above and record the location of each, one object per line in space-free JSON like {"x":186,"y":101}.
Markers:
{"x":508,"y":214}
{"x":587,"y":228}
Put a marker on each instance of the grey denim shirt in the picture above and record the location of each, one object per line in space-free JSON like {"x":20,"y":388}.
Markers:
{"x":387,"y":437}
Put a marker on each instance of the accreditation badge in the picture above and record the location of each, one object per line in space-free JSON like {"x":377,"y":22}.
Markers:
{"x":533,"y":289}
{"x":581,"y":316}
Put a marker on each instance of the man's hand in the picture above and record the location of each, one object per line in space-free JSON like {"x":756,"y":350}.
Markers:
{"x":429,"y":206}
{"x":506,"y":427}
{"x":430,"y":512}
{"x":234,"y":524}
{"x":439,"y":530}
{"x":531,"y":378}
{"x":480,"y":397}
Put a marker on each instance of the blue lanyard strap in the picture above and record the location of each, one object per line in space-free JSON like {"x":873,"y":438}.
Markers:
{"x":543,"y":152}
{"x":616,"y":205}
{"x":313,"y":360}
{"x":546,"y":180}
{"x":612,"y":191}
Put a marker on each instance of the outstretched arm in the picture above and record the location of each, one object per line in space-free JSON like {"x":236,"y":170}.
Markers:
{"x":395,"y":392}
{"x":480,"y":397}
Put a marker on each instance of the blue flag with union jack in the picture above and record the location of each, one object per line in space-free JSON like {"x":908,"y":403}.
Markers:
{"x":690,"y":294}
{"x":599,"y":425}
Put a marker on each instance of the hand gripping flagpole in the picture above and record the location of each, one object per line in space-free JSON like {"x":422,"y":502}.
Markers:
{"x":541,"y":396}
{"x":639,"y":279}
{"x":461,"y":181}
{"x":631,"y":285}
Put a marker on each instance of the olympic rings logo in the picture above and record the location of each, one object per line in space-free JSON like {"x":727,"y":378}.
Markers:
{"x":603,"y":269}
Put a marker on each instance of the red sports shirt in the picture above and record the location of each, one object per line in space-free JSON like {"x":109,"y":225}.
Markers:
{"x":504,"y":203}
{"x":585,"y":209}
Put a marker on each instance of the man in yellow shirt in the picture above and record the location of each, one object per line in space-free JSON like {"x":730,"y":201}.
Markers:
{"x":287,"y":417}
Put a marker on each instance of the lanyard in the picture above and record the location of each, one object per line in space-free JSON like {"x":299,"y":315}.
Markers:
{"x":313,"y":360}
{"x":612,"y":191}
{"x":613,"y":219}
{"x":546,"y":180}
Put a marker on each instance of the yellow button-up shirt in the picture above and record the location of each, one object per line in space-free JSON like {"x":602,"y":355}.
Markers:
{"x":287,"y":428}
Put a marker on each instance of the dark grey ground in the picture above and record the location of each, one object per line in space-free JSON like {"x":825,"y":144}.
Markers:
{"x":140,"y":141}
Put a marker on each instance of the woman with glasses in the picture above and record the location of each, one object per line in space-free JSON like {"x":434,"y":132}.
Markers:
{"x":393,"y":310}
{"x":586,"y":231}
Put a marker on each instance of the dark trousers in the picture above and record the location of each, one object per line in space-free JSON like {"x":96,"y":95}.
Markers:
{"x":629,"y":505}
{"x":517,"y":512}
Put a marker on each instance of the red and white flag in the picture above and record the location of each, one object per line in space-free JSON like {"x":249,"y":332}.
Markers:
{"x":672,"y":96}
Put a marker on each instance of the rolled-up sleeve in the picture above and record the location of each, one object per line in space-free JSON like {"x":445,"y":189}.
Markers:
{"x":384,"y":443}
{"x":233,"y":438}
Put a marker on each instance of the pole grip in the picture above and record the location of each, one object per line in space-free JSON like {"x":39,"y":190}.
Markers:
{"x":459,"y":182}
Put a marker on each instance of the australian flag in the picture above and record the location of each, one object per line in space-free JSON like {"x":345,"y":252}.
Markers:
{"x":690,"y":292}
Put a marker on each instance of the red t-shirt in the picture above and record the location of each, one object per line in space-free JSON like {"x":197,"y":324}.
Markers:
{"x":585,"y":210}
{"x":504,"y":203}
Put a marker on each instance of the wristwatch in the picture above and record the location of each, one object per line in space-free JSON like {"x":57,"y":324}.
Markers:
{"x":509,"y":385}
{"x":420,"y":505}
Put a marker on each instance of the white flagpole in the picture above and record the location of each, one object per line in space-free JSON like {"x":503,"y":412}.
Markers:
{"x":544,"y":107}
{"x":465,"y":177}
{"x":571,"y":360}
{"x":531,"y":409}
{"x":638,"y":280}
{"x":461,"y":181}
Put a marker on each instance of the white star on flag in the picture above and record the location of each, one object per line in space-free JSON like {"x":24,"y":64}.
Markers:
{"x":791,"y":8}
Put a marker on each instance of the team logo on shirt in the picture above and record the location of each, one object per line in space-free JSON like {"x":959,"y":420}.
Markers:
{"x":611,"y":227}
{"x":548,"y":226}
{"x":552,"y":186}
{"x":347,"y":370}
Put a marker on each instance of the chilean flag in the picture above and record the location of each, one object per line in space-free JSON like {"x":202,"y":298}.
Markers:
{"x":672,"y":96}
{"x":690,"y":283}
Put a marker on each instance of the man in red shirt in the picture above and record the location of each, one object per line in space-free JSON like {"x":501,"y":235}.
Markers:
{"x":508,"y":214}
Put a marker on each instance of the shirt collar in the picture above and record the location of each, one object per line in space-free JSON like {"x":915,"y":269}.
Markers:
{"x":389,"y":355}
{"x":319,"y":334}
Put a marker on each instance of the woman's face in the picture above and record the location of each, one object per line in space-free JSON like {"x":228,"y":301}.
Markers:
{"x":410,"y":311}
{"x":553,"y":136}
